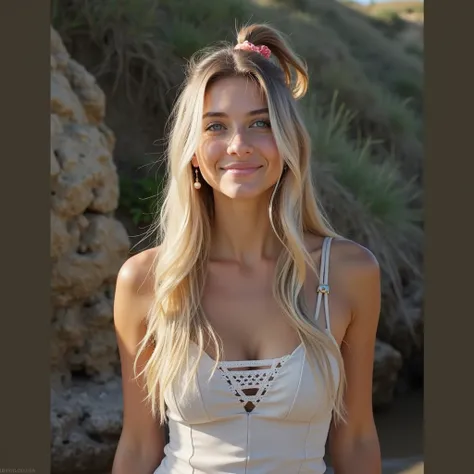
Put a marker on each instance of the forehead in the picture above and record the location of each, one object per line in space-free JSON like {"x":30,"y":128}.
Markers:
{"x":234,"y":95}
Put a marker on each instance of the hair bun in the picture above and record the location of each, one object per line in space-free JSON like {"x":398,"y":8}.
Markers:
{"x":264,"y":37}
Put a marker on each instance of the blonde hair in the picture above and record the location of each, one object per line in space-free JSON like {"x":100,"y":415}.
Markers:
{"x":184,"y":225}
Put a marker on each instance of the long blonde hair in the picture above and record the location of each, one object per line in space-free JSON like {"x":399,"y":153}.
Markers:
{"x":184,"y":226}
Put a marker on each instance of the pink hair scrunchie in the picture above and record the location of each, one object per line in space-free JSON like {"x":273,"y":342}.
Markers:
{"x":247,"y":46}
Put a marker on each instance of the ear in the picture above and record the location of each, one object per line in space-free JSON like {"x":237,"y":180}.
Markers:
{"x":194,"y":161}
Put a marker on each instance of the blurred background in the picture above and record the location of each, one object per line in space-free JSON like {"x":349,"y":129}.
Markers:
{"x":116,"y":66}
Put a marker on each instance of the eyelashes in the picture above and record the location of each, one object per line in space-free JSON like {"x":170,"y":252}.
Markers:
{"x":265,"y":122}
{"x":210,"y":127}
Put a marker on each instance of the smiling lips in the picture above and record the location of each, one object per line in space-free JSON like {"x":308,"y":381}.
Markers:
{"x":241,"y":169}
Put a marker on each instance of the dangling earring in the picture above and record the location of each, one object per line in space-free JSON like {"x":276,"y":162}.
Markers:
{"x":197,"y":184}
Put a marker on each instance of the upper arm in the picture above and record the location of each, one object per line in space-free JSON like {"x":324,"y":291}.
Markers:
{"x":142,"y":436}
{"x":362,"y":281}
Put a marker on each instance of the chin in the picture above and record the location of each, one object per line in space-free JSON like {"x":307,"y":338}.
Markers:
{"x":243,"y":191}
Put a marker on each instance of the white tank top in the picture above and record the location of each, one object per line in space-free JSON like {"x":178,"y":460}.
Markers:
{"x":285,"y":432}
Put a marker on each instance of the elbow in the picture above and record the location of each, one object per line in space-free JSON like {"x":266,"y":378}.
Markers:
{"x":131,"y":458}
{"x":358,"y":454}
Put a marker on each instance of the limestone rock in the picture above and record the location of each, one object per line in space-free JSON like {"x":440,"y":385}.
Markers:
{"x":63,"y":101}
{"x":58,"y":51}
{"x":88,"y":180}
{"x":96,"y":261}
{"x":56,"y":129}
{"x":54,"y":169}
{"x":60,"y":237}
{"x":89,"y":93}
{"x":86,"y":421}
{"x":87,"y":247}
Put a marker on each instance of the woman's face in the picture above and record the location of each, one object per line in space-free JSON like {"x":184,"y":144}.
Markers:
{"x":237,"y":154}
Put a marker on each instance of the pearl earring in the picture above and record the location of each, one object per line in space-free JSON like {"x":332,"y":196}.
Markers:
{"x":197,"y":184}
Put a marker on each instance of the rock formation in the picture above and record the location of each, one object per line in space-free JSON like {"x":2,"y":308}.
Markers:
{"x":88,"y":246}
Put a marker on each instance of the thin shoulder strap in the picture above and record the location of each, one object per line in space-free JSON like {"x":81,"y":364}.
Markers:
{"x":323,"y":288}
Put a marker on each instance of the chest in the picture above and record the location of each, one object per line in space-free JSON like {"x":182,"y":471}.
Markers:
{"x":242,"y":309}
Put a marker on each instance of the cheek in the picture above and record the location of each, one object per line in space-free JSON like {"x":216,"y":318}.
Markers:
{"x":269,"y":150}
{"x":210,"y":152}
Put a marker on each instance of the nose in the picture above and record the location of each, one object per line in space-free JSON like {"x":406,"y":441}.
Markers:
{"x":239,"y":146}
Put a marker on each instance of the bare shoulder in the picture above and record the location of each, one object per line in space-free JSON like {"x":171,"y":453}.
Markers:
{"x":355,"y":258}
{"x":344,"y":252}
{"x":136,"y":274}
{"x":357,"y":273}
{"x":142,"y":438}
{"x":354,"y":269}
{"x":134,"y":290}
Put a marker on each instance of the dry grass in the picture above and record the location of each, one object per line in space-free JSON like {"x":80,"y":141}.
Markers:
{"x":368,"y":201}
{"x":399,"y":7}
{"x":127,"y":39}
{"x":363,"y":109}
{"x":402,"y":21}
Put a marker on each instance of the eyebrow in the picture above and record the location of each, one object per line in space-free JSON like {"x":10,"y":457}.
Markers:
{"x":222,"y":114}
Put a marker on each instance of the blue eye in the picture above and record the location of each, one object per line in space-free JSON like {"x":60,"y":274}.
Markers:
{"x":212,"y":127}
{"x":262,"y":124}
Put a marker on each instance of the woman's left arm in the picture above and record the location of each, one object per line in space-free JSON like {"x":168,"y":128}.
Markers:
{"x":354,"y":445}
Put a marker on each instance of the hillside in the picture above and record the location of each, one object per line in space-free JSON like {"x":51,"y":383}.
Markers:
{"x":401,"y":21}
{"x":363,"y":109}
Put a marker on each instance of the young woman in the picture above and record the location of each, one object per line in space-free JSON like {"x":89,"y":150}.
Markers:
{"x":250,"y":329}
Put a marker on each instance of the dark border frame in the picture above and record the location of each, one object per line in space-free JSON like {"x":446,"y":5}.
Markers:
{"x":25,"y":331}
{"x":25,"y":320}
{"x":448,"y":243}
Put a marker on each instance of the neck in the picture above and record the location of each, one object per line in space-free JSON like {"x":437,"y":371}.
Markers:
{"x":242,"y":231}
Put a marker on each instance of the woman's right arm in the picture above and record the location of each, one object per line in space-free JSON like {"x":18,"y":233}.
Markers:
{"x":141,"y":444}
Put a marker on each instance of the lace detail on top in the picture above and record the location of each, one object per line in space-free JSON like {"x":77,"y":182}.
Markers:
{"x":258,"y":379}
